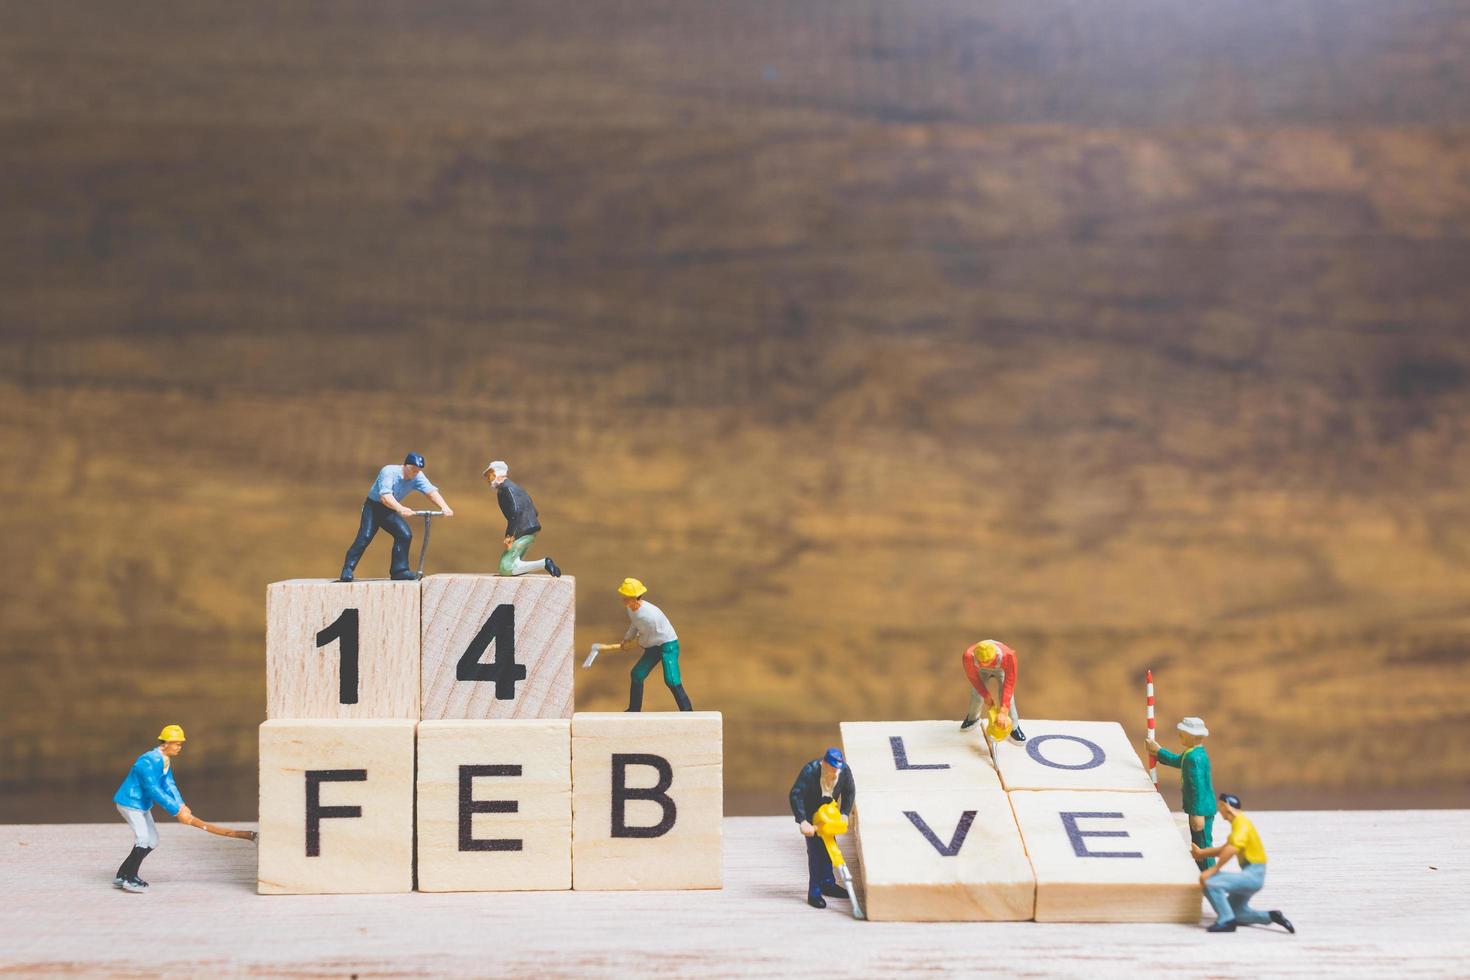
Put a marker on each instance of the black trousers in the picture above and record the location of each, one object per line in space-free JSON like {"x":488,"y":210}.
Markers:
{"x":375,"y":516}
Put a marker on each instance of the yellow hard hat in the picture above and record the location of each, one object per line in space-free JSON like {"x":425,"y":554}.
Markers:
{"x":171,"y":733}
{"x":986,"y":651}
{"x":632,"y":588}
{"x":998,"y":728}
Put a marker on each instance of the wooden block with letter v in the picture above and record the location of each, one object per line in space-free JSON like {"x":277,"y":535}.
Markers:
{"x":1106,"y":857}
{"x":498,"y":647}
{"x":495,"y":805}
{"x":342,"y":649}
{"x":647,"y":800}
{"x":336,"y":806}
{"x":1083,"y":755}
{"x":916,"y":757}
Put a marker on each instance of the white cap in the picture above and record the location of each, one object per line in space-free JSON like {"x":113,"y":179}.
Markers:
{"x":1194,"y":726}
{"x":498,"y":466}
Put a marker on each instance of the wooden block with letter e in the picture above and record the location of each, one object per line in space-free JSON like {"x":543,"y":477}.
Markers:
{"x":942,"y":855}
{"x":342,"y":650}
{"x":1106,"y":857}
{"x":495,"y":805}
{"x":1084,"y":755}
{"x":336,"y":806}
{"x":498,"y":647}
{"x":647,"y":792}
{"x":916,"y":757}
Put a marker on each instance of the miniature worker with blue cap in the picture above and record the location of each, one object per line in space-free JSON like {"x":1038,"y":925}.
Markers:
{"x":149,"y":783}
{"x":384,"y":509}
{"x":821,"y":781}
{"x":1195,"y":783}
{"x":1230,"y":892}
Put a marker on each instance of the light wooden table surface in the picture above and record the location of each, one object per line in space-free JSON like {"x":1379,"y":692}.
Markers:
{"x":1387,"y":892}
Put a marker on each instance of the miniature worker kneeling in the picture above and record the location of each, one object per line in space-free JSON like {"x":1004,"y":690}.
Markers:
{"x":148,"y":784}
{"x":1229,"y":892}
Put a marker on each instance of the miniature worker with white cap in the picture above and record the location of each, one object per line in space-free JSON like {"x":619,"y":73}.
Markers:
{"x":521,"y":524}
{"x":1195,"y":784}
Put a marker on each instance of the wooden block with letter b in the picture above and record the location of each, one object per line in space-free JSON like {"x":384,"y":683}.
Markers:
{"x":336,"y":806}
{"x":498,"y":647}
{"x":342,"y":649}
{"x":1106,"y":857}
{"x":1083,"y":755}
{"x":647,"y":793}
{"x":495,"y":805}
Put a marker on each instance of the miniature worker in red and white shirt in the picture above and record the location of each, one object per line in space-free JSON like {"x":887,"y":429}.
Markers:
{"x":988,"y":663}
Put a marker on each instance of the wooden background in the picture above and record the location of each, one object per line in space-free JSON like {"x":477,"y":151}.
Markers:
{"x":1133,"y":334}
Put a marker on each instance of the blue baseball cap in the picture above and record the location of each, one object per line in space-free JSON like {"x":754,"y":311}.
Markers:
{"x":834,"y":759}
{"x":414,"y":459}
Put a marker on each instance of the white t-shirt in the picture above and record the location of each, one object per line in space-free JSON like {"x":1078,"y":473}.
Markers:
{"x":650,"y":625}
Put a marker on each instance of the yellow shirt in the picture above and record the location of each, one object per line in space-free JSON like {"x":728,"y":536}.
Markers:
{"x":1245,"y":840}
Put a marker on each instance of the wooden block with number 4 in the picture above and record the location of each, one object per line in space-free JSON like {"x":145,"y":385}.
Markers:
{"x":342,"y":649}
{"x":498,"y":647}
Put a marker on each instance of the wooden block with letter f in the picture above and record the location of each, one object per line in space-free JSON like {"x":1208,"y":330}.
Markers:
{"x":342,"y":649}
{"x":497,"y":647}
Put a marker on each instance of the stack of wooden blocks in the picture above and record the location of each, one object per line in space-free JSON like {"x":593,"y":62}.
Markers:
{"x":421,"y":735}
{"x":1065,"y":827}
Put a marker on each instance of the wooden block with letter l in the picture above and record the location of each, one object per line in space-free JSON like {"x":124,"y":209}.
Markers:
{"x":498,"y":647}
{"x":916,"y":757}
{"x":943,"y":856}
{"x":1083,"y":755}
{"x":647,"y":800}
{"x":336,"y":806}
{"x":1106,"y":857}
{"x":495,"y":805}
{"x":342,"y":649}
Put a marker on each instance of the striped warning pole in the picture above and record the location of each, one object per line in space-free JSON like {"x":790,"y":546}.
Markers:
{"x":1153,"y":760}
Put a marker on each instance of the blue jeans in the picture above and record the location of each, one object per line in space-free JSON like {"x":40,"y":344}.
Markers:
{"x":1229,"y":894}
{"x":818,"y":867}
{"x":374,"y":516}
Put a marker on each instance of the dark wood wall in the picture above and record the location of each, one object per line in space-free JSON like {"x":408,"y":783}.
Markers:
{"x":1134,"y":334}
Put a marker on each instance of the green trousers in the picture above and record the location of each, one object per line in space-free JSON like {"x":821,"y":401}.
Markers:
{"x":1202,"y":839}
{"x":668,"y":653}
{"x":517,"y":550}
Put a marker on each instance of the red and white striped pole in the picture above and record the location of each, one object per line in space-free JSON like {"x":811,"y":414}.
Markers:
{"x":1153,"y":760}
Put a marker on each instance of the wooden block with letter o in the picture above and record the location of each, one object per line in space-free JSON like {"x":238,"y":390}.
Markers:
{"x":336,"y":806}
{"x":1091,"y":755}
{"x":1106,"y":857}
{"x":495,"y":805}
{"x":916,"y":757}
{"x":498,"y":647}
{"x":342,"y":649}
{"x":647,"y":800}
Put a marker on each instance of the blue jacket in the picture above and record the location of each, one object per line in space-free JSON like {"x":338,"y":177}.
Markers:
{"x":147,"y":785}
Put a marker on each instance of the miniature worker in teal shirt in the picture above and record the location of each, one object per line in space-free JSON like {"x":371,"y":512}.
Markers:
{"x":1195,"y":784}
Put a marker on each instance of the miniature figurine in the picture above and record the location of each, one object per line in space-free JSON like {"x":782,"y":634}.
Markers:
{"x":830,"y":824}
{"x":522,"y":524}
{"x":383,"y":509}
{"x":821,"y":781}
{"x":650,"y":629}
{"x":1229,"y":892}
{"x":991,"y":660}
{"x":1195,"y":786}
{"x":148,"y":784}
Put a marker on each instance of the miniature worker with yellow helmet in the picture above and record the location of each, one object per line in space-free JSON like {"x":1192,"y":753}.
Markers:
{"x":650,"y":629}
{"x":992,"y":661}
{"x":148,"y":784}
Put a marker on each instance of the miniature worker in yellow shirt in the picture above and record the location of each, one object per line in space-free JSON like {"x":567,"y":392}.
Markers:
{"x":1229,"y":892}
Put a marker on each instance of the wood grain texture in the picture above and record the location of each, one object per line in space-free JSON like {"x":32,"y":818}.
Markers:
{"x":1331,"y":871}
{"x":686,"y":849}
{"x":539,"y":828}
{"x":370,"y":851}
{"x":1077,"y":755}
{"x":930,"y":756}
{"x":456,"y":608}
{"x":303,"y":680}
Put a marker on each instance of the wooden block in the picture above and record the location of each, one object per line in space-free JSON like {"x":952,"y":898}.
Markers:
{"x":498,"y":647}
{"x":647,"y":800}
{"x":947,"y":856}
{"x":1071,"y":755}
{"x":342,"y":650}
{"x":495,"y":805}
{"x":916,"y":758}
{"x":1106,"y":857}
{"x":336,"y":806}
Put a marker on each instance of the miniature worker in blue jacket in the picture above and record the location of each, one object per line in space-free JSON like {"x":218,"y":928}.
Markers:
{"x":384,"y":509}
{"x":521,"y":524}
{"x":148,"y":784}
{"x":1195,"y":783}
{"x":821,"y":781}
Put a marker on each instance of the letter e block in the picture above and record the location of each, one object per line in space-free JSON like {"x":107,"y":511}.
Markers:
{"x":1106,"y":857}
{"x":336,"y":807}
{"x":916,"y":757}
{"x":495,"y":805}
{"x":342,"y":650}
{"x":498,"y":647}
{"x":647,"y":800}
{"x":1072,"y":755}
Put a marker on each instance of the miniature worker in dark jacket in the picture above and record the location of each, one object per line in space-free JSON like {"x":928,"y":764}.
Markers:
{"x":821,"y":781}
{"x":521,"y":524}
{"x":384,"y":509}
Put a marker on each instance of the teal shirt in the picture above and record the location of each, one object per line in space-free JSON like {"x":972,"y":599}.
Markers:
{"x":1194,"y":767}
